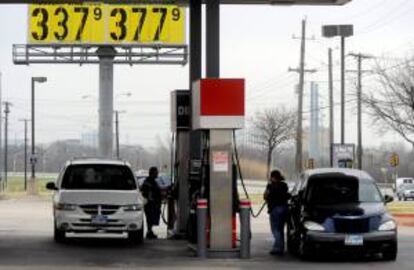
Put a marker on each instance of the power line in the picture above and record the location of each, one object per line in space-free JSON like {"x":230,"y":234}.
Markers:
{"x":386,"y":20}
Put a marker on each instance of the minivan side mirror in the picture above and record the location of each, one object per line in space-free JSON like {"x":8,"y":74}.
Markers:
{"x":51,"y":186}
{"x":388,"y":199}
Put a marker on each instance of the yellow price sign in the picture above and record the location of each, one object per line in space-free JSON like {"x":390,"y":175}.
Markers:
{"x":106,"y":24}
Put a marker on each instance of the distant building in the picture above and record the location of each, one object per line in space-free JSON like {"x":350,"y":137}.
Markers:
{"x":314,"y":138}
{"x":322,"y":137}
{"x":89,"y":139}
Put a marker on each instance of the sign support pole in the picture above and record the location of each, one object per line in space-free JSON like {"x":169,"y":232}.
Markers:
{"x":221,"y":194}
{"x":106,"y":96}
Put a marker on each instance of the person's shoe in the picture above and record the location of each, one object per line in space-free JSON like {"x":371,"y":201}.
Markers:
{"x":151,"y":235}
{"x":276,"y":253}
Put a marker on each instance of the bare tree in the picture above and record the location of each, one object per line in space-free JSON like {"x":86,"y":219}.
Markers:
{"x":273,"y":127}
{"x":392,"y":103}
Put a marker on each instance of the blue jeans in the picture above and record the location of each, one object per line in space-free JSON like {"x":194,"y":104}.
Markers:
{"x":278,"y":217}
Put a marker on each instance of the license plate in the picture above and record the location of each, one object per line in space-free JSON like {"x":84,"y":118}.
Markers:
{"x":99,"y":220}
{"x":354,"y":240}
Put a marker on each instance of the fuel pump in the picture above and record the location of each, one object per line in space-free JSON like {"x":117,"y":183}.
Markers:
{"x":179,"y":204}
{"x":217,"y":110}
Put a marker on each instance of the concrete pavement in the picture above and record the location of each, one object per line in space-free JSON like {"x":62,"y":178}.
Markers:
{"x":26,"y":243}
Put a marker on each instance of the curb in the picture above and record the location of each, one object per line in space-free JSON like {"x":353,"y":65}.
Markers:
{"x":405,"y":219}
{"x":403,"y":215}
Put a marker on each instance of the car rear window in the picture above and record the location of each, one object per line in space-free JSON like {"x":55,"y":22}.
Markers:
{"x":98,"y":177}
{"x":338,"y":190}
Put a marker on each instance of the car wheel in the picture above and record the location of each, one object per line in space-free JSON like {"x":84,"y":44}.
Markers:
{"x":136,"y":237}
{"x":59,"y":235}
{"x":305,"y":252}
{"x":404,"y":198}
{"x":292,"y":247}
{"x":390,"y":254}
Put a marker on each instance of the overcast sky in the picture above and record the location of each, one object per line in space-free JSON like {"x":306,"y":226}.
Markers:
{"x":257,"y":45}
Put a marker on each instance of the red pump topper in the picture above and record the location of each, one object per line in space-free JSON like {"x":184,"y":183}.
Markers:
{"x":218,"y":104}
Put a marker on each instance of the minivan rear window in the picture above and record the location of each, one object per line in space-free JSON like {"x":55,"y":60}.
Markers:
{"x":408,"y":186}
{"x":338,"y":190}
{"x":98,"y":177}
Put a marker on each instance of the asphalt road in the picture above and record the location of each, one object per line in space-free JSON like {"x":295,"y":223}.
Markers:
{"x":26,"y":243}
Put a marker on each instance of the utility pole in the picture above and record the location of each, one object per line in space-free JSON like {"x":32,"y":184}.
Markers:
{"x":301,"y":70}
{"x":6,"y":131}
{"x":359,"y":58}
{"x":117,"y":132}
{"x":1,"y":182}
{"x":331,"y":107}
{"x":25,"y":152}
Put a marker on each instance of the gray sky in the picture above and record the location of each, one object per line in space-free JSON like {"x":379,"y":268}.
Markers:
{"x":256,"y":45}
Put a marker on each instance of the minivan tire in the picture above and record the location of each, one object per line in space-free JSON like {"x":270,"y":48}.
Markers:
{"x":390,"y":254}
{"x":59,"y":235}
{"x":136,"y":237}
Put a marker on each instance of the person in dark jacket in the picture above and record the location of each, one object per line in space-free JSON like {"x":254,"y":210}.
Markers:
{"x":152,"y":193}
{"x":277,"y":196}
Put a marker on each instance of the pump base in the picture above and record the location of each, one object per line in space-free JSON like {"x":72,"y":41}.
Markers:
{"x":218,"y":254}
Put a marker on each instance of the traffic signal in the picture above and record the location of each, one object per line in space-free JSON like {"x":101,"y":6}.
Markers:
{"x":311,"y":163}
{"x":394,"y":160}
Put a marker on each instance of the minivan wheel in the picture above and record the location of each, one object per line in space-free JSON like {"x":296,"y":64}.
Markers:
{"x":390,"y":254}
{"x":136,"y":237}
{"x":59,"y":235}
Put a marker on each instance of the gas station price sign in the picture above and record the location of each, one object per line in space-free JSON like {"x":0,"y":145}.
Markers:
{"x":96,"y":23}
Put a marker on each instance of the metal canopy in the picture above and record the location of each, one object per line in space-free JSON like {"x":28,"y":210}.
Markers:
{"x":24,"y":54}
{"x":186,"y":2}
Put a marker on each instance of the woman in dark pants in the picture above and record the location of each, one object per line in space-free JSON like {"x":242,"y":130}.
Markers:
{"x":277,"y":196}
{"x":152,"y":192}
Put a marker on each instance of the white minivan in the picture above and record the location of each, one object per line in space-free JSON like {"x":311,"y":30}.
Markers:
{"x":400,"y":184}
{"x":97,"y":196}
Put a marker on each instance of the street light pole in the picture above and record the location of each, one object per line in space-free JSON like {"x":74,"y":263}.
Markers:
{"x":25,"y":152}
{"x":331,"y":109}
{"x":342,"y":90}
{"x":343,"y":31}
{"x":6,"y":133}
{"x":117,"y":112}
{"x":32,"y":189}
